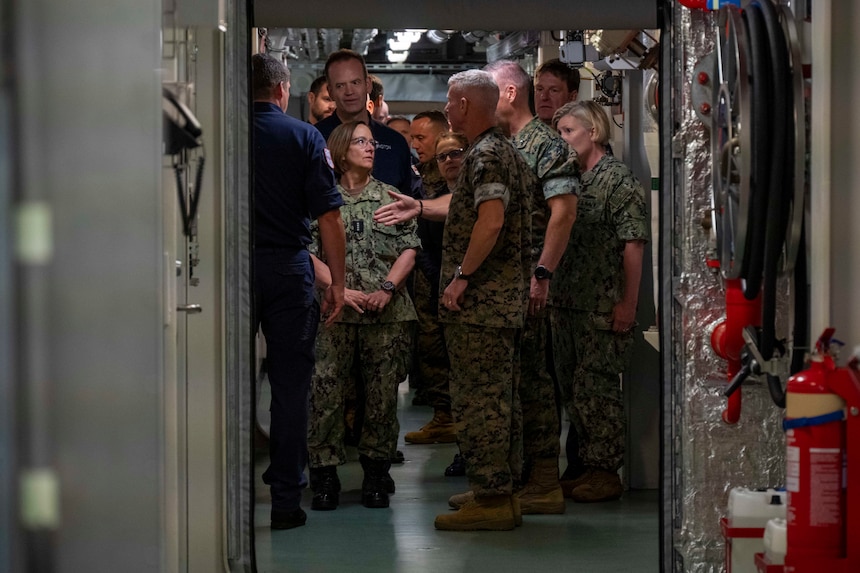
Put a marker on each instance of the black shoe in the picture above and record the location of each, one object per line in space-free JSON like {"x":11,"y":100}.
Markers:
{"x":375,"y":487}
{"x":457,"y":467}
{"x":388,"y":481}
{"x":397,"y":458}
{"x":288,"y":519}
{"x":326,"y":487}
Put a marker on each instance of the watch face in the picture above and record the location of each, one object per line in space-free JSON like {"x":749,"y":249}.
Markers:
{"x":388,"y":286}
{"x":542,"y":273}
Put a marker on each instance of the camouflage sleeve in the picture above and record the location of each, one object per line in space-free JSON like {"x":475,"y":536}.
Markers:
{"x":489,"y":180}
{"x":408,"y":236}
{"x":314,"y":248}
{"x":558,"y":169}
{"x":627,"y":207}
{"x":407,"y":233}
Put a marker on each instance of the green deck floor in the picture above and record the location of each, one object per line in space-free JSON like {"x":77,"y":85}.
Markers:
{"x":616,"y":537}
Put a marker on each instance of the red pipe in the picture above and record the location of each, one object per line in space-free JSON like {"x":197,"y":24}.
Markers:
{"x":728,"y":341}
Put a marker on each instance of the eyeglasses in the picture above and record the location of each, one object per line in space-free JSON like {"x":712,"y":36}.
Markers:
{"x":453,"y":154}
{"x":364,"y":142}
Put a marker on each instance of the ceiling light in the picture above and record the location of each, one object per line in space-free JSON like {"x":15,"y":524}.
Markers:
{"x":397,"y":57}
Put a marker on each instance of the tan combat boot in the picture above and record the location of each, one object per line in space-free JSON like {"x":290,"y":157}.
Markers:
{"x":458,"y":500}
{"x":600,"y":486}
{"x":542,"y":494}
{"x":439,"y":430}
{"x":494,"y":513}
{"x":567,"y":486}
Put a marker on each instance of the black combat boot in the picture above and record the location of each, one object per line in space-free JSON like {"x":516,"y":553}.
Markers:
{"x":326,"y":487}
{"x":377,"y":482}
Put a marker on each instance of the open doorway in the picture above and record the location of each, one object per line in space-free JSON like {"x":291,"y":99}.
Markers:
{"x":406,"y":106}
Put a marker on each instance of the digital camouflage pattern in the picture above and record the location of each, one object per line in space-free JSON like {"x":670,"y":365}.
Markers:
{"x":589,"y":357}
{"x":383,"y":354}
{"x":611,"y":211}
{"x":371,"y":249}
{"x":498,"y":290}
{"x":430,"y":375}
{"x":432,"y":182}
{"x":378,"y":346}
{"x":483,"y":338}
{"x":541,"y":423}
{"x":432,"y":353}
{"x":557,"y":171}
{"x":484,"y":393}
{"x":556,"y":167}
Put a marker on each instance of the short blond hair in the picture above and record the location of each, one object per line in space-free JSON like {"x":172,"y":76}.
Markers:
{"x":590,"y":114}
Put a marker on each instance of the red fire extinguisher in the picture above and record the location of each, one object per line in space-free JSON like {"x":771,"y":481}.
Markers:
{"x":815,"y":445}
{"x":708,"y":4}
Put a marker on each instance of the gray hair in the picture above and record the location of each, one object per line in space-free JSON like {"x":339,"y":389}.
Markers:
{"x":480,"y":85}
{"x":510,"y":72}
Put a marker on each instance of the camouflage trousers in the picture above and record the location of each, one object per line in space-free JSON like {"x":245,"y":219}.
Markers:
{"x":589,"y":358}
{"x":485,"y":403}
{"x":381,"y":356}
{"x":431,"y":353}
{"x":541,"y":424}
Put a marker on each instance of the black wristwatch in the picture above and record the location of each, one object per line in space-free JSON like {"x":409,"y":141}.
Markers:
{"x":541,"y":272}
{"x":459,"y":274}
{"x":389,"y":287}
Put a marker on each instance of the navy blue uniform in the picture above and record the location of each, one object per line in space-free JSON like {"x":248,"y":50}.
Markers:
{"x":393,"y":161}
{"x":293,"y":183}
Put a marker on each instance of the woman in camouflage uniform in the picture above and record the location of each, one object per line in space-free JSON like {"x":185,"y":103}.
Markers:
{"x":594,"y":311}
{"x":372,"y":336}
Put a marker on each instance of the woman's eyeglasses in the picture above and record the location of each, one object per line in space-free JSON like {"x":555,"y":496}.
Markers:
{"x":364,"y":142}
{"x":453,"y":154}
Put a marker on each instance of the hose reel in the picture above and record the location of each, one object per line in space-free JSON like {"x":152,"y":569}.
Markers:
{"x":758,"y":144}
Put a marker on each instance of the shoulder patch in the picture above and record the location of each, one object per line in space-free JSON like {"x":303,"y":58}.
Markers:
{"x":328,"y":160}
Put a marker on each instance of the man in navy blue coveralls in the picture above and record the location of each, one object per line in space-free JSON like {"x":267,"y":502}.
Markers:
{"x":293,"y":182}
{"x":349,"y":86}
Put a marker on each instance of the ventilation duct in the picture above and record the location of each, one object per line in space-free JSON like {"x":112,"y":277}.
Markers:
{"x":331,"y":39}
{"x":474,"y":36}
{"x":312,"y":43}
{"x":439,"y":36}
{"x":361,"y":38}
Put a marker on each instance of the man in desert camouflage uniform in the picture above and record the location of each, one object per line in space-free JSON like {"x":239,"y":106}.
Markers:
{"x":593,"y":314}
{"x":553,"y":215}
{"x":485,"y":269}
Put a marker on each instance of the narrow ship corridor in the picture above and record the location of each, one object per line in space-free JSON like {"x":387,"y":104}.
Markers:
{"x":618,"y":537}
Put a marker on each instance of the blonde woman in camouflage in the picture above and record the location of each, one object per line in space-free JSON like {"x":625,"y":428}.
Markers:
{"x":594,"y":310}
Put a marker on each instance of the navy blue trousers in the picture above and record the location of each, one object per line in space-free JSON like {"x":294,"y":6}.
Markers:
{"x":289,"y":316}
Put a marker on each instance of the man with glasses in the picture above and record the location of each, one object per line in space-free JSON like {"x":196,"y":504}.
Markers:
{"x":293,"y":182}
{"x":430,"y":375}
